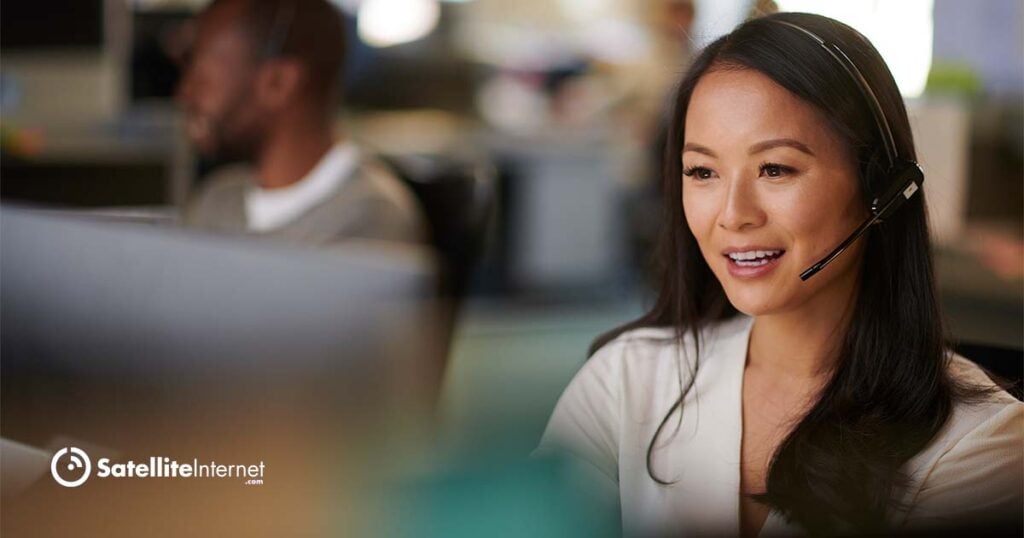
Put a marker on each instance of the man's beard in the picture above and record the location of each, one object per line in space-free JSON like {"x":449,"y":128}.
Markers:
{"x":244,"y":145}
{"x":231,"y":138}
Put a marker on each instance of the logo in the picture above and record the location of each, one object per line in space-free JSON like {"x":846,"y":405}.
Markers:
{"x":71,"y":467}
{"x":77,"y":460}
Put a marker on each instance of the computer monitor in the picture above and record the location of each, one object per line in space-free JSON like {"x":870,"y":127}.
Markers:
{"x":139,"y":341}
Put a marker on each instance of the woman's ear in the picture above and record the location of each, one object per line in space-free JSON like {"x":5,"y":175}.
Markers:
{"x":874,"y":177}
{"x":279,"y":82}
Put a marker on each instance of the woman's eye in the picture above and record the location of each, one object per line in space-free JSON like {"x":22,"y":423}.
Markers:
{"x":775,"y":170}
{"x":698,"y":172}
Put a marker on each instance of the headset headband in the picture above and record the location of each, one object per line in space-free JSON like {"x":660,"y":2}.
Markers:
{"x":280,"y":27}
{"x":865,"y":89}
{"x":906,"y":176}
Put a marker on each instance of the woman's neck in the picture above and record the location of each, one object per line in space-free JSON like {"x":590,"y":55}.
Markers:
{"x":803,"y":343}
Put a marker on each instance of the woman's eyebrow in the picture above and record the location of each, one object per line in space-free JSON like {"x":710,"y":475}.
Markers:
{"x":780,"y":142}
{"x":691,"y":146}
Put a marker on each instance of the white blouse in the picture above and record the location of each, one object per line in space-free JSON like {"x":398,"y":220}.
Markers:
{"x":609,"y":412}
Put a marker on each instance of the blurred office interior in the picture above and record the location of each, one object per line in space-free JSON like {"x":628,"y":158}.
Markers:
{"x":556,"y":105}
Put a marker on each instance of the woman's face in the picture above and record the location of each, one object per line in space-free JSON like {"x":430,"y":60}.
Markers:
{"x":768,"y":190}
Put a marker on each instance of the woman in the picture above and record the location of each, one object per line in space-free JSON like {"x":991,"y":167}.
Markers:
{"x":750,"y":401}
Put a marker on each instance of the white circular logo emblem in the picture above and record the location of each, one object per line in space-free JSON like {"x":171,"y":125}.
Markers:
{"x":78,"y":460}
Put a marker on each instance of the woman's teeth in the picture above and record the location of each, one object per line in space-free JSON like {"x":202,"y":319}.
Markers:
{"x":754,"y":258}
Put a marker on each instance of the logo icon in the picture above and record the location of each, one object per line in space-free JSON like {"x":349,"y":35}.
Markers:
{"x":77,"y":460}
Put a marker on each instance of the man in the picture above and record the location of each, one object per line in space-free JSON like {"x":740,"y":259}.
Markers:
{"x":262,"y":87}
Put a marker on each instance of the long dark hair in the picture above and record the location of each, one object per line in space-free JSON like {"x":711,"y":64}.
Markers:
{"x":890,"y":392}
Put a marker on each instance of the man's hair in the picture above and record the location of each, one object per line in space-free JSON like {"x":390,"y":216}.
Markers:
{"x":310,"y":31}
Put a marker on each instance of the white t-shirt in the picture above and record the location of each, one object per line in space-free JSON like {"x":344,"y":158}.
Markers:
{"x":269,"y":209}
{"x":609,"y":412}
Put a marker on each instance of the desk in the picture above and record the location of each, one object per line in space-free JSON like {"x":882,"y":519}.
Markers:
{"x":139,"y":159}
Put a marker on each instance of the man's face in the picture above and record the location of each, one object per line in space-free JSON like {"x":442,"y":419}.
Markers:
{"x":218,"y":91}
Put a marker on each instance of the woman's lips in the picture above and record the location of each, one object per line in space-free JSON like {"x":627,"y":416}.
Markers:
{"x":747,"y":269}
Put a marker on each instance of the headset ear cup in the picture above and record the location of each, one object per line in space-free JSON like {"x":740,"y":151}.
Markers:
{"x":874,"y":177}
{"x":905,"y":180}
{"x":907,"y":170}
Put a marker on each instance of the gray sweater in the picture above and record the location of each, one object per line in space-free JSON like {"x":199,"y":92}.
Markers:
{"x":372,"y":204}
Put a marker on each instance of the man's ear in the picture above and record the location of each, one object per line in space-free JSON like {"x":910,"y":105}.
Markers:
{"x":279,"y":82}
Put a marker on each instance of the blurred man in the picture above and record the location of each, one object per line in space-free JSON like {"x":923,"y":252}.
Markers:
{"x":262,"y":88}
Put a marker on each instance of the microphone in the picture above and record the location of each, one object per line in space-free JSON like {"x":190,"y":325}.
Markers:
{"x":907,"y":181}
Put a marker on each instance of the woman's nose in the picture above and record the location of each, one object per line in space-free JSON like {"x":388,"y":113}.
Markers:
{"x":741,"y":208}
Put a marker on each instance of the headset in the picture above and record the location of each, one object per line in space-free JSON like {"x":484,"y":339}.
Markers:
{"x":280,"y":27}
{"x":905,"y":176}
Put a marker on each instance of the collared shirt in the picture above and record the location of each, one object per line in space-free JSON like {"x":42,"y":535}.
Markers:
{"x":270,"y":209}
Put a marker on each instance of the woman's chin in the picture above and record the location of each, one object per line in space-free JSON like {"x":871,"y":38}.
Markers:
{"x":754,"y":304}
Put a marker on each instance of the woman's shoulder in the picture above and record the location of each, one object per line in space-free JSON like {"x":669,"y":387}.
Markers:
{"x":971,"y":471}
{"x":643,"y":369}
{"x":654,"y":345}
{"x":968,"y":372}
{"x":985,"y":405}
{"x":987,"y":409}
{"x":624,"y":385}
{"x":991,"y":400}
{"x":994,"y":404}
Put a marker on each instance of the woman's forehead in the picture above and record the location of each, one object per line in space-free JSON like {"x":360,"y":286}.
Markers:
{"x":745,"y":106}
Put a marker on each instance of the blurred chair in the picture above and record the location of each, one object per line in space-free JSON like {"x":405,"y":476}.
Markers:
{"x":458,"y":198}
{"x":1006,"y":364}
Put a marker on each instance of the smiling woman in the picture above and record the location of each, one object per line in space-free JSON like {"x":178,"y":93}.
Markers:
{"x":753,"y":399}
{"x":761,"y":203}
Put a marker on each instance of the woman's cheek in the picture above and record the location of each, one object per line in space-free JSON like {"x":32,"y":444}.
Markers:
{"x":816,"y":224}
{"x":700,"y":205}
{"x":699,"y":217}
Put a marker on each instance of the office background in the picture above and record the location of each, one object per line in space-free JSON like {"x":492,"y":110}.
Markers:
{"x":559,"y":100}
